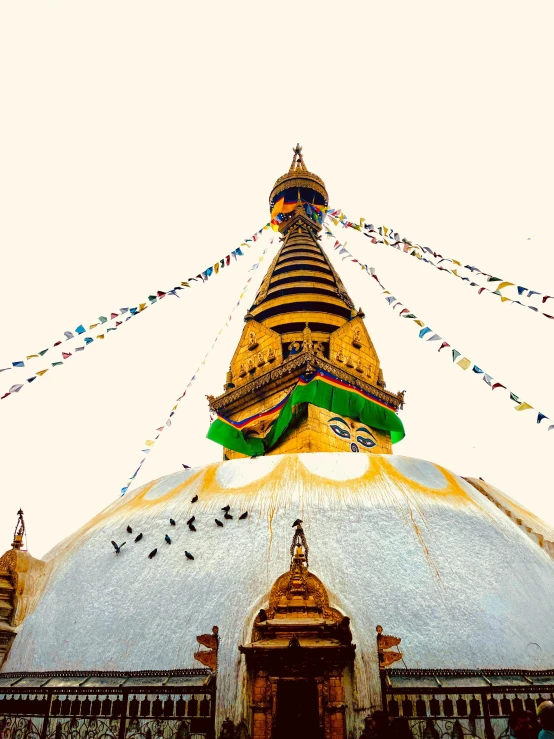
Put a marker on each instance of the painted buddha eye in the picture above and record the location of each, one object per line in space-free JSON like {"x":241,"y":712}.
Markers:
{"x":367,"y":441}
{"x":341,"y":430}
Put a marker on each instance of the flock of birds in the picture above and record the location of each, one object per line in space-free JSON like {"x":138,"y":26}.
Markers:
{"x":192,"y":527}
{"x":190,"y":524}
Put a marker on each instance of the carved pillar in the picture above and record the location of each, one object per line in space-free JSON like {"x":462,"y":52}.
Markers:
{"x":335,"y":708}
{"x":262,"y":714}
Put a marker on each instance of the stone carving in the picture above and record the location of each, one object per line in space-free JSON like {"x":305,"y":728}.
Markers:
{"x":349,"y":362}
{"x":319,"y":349}
{"x":252,"y":343}
{"x":261,"y":360}
{"x":359,"y":366}
{"x":242,"y":371}
{"x":307,"y":344}
{"x":289,"y":367}
{"x":340,"y":356}
{"x":251,"y":366}
{"x":209,"y":656}
{"x":271,"y":354}
{"x":357,"y":338}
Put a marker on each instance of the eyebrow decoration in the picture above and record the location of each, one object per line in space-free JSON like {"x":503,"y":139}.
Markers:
{"x":336,"y":418}
{"x":362,"y":428}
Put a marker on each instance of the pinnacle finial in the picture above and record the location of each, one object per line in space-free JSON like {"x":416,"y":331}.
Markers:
{"x":297,"y":160}
{"x":19,"y":531}
{"x":299,"y":548}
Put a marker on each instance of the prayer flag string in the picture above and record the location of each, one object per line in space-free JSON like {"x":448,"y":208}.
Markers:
{"x":426,"y":331}
{"x":117,"y":316}
{"x":149,"y":443}
{"x":387,"y":236}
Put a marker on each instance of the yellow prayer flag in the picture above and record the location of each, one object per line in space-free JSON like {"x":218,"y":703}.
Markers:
{"x":454,"y":272}
{"x":504,"y":284}
{"x":504,"y":299}
{"x":31,"y":356}
{"x":41,"y":372}
{"x":335,"y":221}
{"x":386,"y":230}
{"x":175,"y":407}
{"x":216,"y":267}
{"x":94,"y":325}
{"x":454,"y":261}
{"x":385,"y":292}
{"x":522,"y":407}
{"x":464,"y":363}
{"x":142,"y":306}
{"x":185,"y":284}
{"x":266,"y":227}
{"x":148,"y":442}
{"x":386,"y":242}
{"x":362,"y":222}
{"x":100,"y":336}
{"x":419,"y":323}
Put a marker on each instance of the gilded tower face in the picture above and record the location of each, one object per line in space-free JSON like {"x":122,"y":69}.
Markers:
{"x":358,"y":436}
{"x":345,"y":434}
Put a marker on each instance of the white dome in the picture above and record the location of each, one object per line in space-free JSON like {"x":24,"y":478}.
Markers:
{"x":396,"y":541}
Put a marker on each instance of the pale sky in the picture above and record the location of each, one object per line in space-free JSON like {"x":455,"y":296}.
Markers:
{"x":140,"y":142}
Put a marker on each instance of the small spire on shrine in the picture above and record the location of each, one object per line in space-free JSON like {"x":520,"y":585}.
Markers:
{"x":19,"y":531}
{"x":299,"y":548}
{"x":298,"y":160}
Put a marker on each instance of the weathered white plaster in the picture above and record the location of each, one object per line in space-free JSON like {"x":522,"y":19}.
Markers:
{"x":433,"y":561}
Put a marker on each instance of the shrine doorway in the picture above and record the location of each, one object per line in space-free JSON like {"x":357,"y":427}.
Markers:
{"x":297,"y":711}
{"x":299,"y":658}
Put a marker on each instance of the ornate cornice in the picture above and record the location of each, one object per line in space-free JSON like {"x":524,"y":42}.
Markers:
{"x":287,"y":373}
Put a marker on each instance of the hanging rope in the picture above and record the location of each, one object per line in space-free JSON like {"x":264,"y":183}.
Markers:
{"x":387,"y":236}
{"x":151,"y":442}
{"x":426,"y":331}
{"x":115,"y":315}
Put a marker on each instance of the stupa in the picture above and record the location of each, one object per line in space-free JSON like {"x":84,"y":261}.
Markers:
{"x":302,"y":563}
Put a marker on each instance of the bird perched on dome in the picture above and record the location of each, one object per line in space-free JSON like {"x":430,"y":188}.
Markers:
{"x":129,"y":530}
{"x":297,"y":522}
{"x":194,"y":499}
{"x":168,"y":540}
{"x":152,"y":553}
{"x":188,"y":555}
{"x":172,"y":522}
{"x":218,"y":522}
{"x":243,"y":516}
{"x":139,"y":537}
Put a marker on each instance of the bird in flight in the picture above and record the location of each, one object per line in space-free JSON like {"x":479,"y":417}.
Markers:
{"x":117,"y":547}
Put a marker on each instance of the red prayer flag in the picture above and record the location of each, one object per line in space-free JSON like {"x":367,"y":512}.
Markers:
{"x":498,"y":384}
{"x":66,"y":355}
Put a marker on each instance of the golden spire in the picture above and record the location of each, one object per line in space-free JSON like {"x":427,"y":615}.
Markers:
{"x":19,"y":531}
{"x":302,"y":324}
{"x":297,"y":160}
